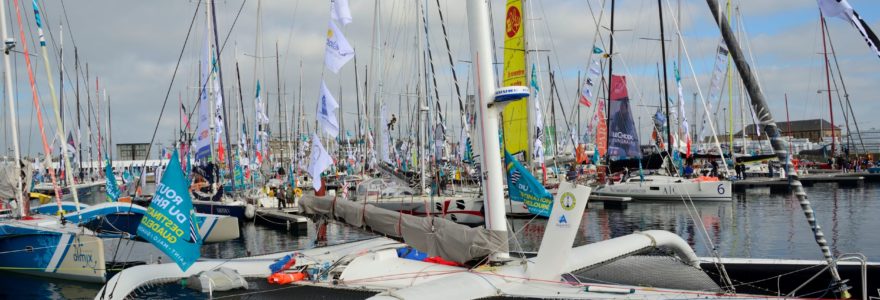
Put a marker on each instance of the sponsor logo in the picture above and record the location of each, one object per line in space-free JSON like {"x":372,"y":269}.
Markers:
{"x":568,"y":201}
{"x":514,"y":21}
{"x":563,"y":222}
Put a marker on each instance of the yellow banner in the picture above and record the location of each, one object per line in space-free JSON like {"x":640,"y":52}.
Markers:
{"x":516,"y":114}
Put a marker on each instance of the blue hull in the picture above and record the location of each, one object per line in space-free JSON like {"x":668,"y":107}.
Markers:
{"x":49,"y":253}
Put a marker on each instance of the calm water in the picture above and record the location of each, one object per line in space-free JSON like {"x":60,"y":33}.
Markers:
{"x":755,"y":224}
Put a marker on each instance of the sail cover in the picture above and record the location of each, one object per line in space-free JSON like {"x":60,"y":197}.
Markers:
{"x":435,"y":236}
{"x":8,"y":181}
{"x":623,"y":141}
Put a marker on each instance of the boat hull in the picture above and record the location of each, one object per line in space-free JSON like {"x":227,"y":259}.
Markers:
{"x":241,"y":211}
{"x":62,"y":254}
{"x":669,"y":191}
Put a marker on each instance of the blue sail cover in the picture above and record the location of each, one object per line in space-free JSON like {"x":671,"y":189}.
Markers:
{"x":523,"y":187}
{"x":623,"y":142}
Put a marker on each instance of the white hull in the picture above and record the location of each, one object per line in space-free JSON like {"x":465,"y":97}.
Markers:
{"x":666,"y":188}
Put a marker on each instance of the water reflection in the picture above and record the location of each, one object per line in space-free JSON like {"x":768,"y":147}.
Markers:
{"x":755,"y":224}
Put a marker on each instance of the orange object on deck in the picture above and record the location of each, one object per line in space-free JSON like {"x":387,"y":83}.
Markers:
{"x":125,"y":199}
{"x":706,"y":179}
{"x":285,"y":278}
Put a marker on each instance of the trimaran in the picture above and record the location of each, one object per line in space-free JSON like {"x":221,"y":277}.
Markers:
{"x":376,"y":267}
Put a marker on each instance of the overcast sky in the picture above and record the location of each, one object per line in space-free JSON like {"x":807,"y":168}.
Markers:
{"x":132,"y":47}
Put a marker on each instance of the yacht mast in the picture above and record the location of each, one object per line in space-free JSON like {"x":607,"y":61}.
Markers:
{"x":220,"y":78}
{"x":59,"y":130}
{"x":780,"y":145}
{"x":665,"y":84}
{"x":608,"y":99}
{"x":828,"y":90}
{"x":481,"y":53}
{"x":10,"y":98}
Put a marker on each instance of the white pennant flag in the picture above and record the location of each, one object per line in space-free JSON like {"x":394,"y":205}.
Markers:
{"x":218,"y":107}
{"x":319,"y":161}
{"x":842,"y":9}
{"x":338,"y":51}
{"x":340,"y":12}
{"x":836,"y":8}
{"x":327,"y":111}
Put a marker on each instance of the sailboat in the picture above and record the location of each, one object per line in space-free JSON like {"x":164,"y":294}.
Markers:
{"x":623,"y":143}
{"x":209,"y":195}
{"x":40,"y":245}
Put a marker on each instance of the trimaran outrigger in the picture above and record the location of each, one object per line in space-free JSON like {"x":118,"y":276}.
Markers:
{"x":375,"y":268}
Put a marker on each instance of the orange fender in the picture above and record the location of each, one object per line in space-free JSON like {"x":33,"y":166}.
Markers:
{"x":285,"y":278}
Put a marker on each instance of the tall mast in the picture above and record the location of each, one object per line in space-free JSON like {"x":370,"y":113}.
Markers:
{"x":665,"y":82}
{"x":780,"y":145}
{"x":610,"y":68}
{"x":209,"y":81}
{"x":78,"y":115}
{"x":89,"y":117}
{"x":57,"y":109}
{"x":280,"y":109}
{"x":109,"y":128}
{"x":377,"y":76}
{"x":10,"y":98}
{"x":61,"y":71}
{"x":481,"y":53}
{"x":828,"y":85}
{"x":220,"y":78}
{"x":729,"y":123}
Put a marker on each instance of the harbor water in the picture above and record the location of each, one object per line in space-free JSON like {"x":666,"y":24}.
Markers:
{"x":755,"y":224}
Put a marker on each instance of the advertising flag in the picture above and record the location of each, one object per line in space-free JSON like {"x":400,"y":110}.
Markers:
{"x":327,"y":112}
{"x":319,"y":161}
{"x":169,"y":222}
{"x":338,"y":51}
{"x":112,"y":188}
{"x":523,"y":187}
{"x":623,"y":141}
{"x":340,"y":12}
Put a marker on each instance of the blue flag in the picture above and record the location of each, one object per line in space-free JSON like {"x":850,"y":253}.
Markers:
{"x":534,"y":80}
{"x":112,"y":188}
{"x":126,"y":176}
{"x":169,"y":221}
{"x":523,"y":187}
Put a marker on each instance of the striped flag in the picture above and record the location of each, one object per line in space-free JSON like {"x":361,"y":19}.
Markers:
{"x":842,"y":9}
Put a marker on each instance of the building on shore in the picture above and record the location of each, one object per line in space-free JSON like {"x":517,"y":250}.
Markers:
{"x":815,"y":130}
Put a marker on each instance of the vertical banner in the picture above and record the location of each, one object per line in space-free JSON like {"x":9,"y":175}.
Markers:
{"x":168,"y":223}
{"x":601,"y":131}
{"x":718,"y":76}
{"x":516,"y":114}
{"x":623,"y":141}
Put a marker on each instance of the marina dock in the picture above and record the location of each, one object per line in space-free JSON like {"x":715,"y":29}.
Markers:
{"x":780,"y":185}
{"x":611,"y":201}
